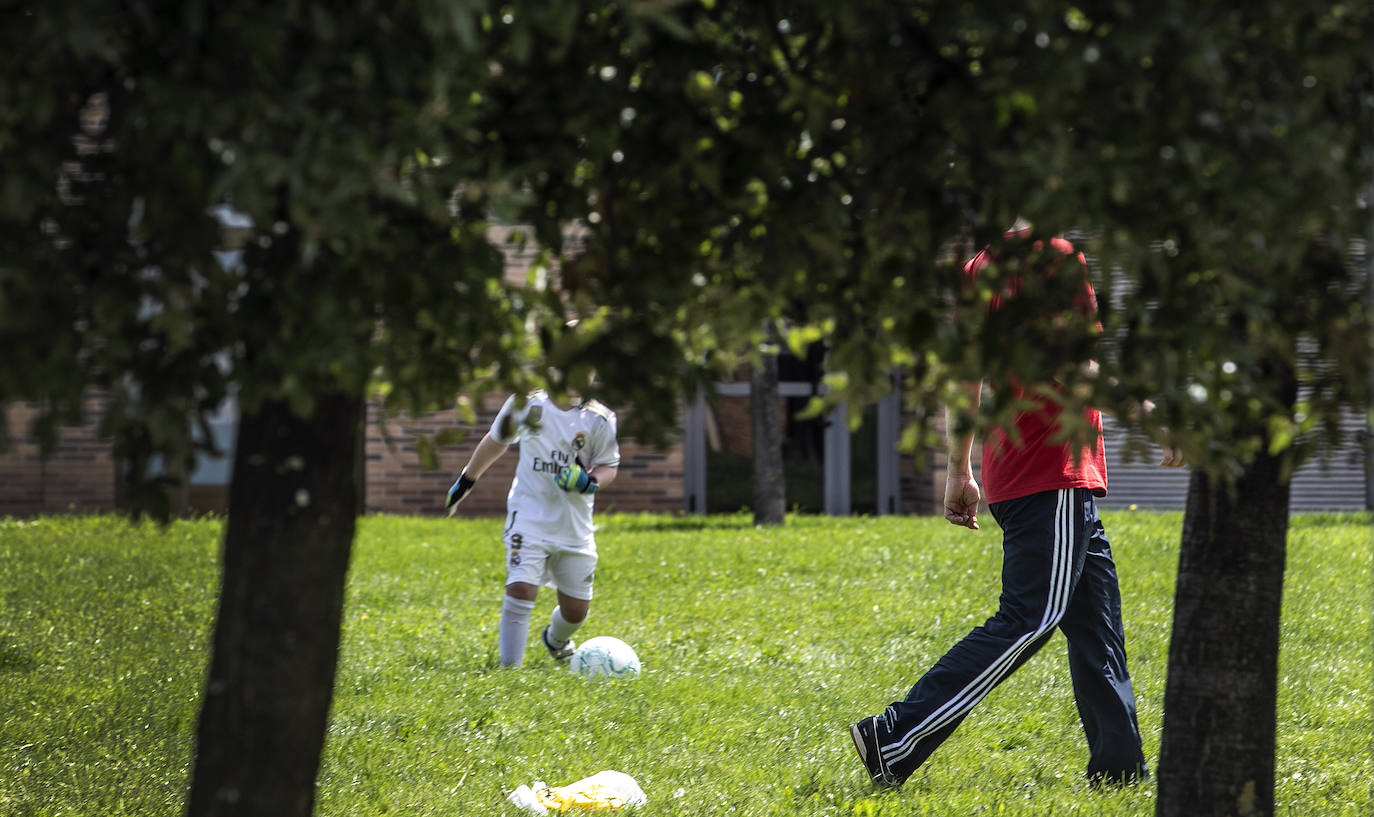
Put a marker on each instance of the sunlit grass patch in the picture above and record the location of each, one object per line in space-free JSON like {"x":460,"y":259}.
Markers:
{"x":759,"y":647}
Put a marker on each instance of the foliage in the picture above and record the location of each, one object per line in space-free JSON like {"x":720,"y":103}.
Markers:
{"x":1231,"y":276}
{"x":756,"y":658}
{"x":824,"y":168}
{"x":728,"y":165}
{"x":324,"y":129}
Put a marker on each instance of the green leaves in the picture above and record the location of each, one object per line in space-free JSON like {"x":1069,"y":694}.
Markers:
{"x":689,"y":171}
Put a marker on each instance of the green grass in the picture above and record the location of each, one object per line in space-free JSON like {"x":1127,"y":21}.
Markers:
{"x":759,"y":648}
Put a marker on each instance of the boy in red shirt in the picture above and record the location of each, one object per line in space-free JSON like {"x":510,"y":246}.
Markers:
{"x":1057,"y":571}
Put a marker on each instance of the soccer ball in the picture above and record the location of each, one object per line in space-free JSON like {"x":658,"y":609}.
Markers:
{"x":605,"y":657}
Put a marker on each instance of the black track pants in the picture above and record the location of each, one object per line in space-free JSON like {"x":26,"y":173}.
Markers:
{"x":1057,"y":571}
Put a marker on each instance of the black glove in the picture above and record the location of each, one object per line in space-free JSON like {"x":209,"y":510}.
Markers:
{"x":459,"y":490}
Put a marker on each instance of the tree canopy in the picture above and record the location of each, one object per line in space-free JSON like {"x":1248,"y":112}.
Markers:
{"x":725,"y":163}
{"x":809,"y":164}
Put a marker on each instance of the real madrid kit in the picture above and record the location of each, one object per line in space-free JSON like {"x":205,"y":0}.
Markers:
{"x":548,"y":533}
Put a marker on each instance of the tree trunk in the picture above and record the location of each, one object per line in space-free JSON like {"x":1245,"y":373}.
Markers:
{"x":1217,"y":752}
{"x":286,"y":551}
{"x":770,"y":491}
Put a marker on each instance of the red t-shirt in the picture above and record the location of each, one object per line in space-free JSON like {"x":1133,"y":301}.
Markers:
{"x":1032,"y":461}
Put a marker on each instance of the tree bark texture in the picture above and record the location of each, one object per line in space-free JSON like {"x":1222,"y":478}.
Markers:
{"x":770,"y":490}
{"x":1217,"y":750}
{"x":286,"y":551}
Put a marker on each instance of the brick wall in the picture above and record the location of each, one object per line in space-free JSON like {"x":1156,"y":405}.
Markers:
{"x":734,"y":424}
{"x":79,"y":476}
{"x":649,"y":479}
{"x":395,"y":481}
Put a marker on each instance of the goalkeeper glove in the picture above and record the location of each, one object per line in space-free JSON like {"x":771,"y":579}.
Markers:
{"x":575,"y":478}
{"x":457,"y":491}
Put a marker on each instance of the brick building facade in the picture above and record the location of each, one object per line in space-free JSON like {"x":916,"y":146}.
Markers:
{"x":78,"y":477}
{"x":395,"y":481}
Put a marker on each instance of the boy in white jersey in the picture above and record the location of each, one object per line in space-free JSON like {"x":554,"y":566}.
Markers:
{"x":566,"y":455}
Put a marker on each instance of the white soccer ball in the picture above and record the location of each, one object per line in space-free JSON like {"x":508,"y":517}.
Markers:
{"x":605,"y":657}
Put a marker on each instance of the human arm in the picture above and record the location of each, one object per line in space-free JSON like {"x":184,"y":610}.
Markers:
{"x":605,"y":474}
{"x":962,"y":494}
{"x":488,"y":451}
{"x":1170,"y":456}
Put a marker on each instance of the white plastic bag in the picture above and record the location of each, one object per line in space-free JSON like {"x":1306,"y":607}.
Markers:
{"x":525,"y":798}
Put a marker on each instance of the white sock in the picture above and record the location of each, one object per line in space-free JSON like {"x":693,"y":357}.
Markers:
{"x":514,"y":630}
{"x":560,"y":629}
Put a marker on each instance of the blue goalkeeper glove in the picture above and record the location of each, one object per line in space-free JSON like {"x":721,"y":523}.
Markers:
{"x":457,"y":491}
{"x":575,"y":478}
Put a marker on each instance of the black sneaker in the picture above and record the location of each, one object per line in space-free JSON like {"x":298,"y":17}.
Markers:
{"x":562,"y":653}
{"x":865,"y":737}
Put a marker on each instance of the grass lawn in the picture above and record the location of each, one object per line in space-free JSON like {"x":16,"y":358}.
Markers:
{"x":759,"y":648}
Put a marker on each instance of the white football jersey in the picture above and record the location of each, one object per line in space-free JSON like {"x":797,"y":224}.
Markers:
{"x":550,"y":440}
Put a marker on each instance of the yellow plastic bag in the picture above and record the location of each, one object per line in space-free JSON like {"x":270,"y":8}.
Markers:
{"x":603,"y":791}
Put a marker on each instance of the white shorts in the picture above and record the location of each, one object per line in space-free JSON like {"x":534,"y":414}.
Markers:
{"x":571,"y":572}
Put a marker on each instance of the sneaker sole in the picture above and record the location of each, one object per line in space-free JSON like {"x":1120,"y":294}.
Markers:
{"x":859,"y":744}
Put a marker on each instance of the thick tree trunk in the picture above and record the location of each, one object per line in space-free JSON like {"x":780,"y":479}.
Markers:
{"x":770,"y":491}
{"x":1217,"y":752}
{"x":286,"y":550}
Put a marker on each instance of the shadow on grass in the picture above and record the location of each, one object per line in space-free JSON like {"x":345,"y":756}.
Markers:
{"x":1329,"y":519}
{"x":738,"y":521}
{"x":12,"y":659}
{"x":659,"y":522}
